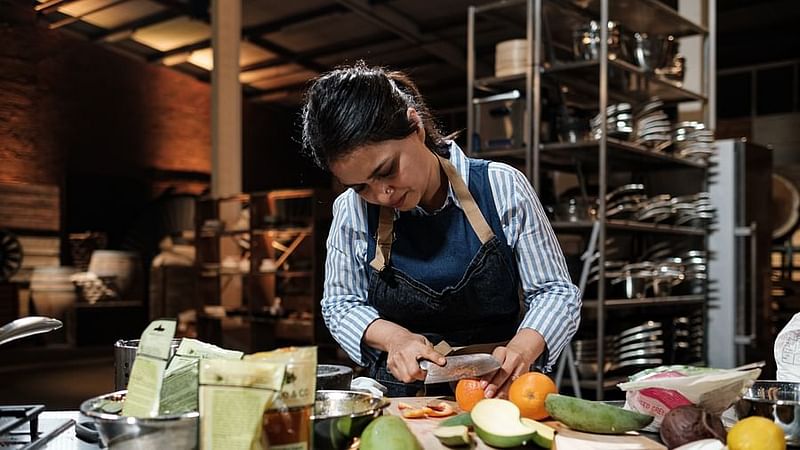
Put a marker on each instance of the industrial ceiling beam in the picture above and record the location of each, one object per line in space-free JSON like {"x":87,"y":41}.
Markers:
{"x":254,"y":34}
{"x":130,"y":27}
{"x":388,"y":18}
{"x":328,"y":50}
{"x":52,"y":5}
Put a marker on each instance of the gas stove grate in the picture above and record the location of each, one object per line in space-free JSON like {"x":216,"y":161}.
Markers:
{"x":19,"y":427}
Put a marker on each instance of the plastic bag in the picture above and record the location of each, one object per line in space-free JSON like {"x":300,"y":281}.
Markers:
{"x":787,"y":351}
{"x":657,"y":391}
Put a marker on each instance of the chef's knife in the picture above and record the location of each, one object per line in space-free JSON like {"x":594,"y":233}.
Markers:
{"x":458,"y":367}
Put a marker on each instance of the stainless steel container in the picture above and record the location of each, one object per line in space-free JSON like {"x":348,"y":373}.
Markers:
{"x":131,"y":433}
{"x":778,"y":401}
{"x":500,"y":121}
{"x":125,"y":354}
{"x":339,"y":416}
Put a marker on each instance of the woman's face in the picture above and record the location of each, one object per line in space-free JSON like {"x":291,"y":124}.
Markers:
{"x":397,"y":173}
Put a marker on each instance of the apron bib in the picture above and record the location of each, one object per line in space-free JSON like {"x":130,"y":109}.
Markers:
{"x":446,"y":276}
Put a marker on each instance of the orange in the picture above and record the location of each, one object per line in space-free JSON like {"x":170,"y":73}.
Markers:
{"x":468,"y":393}
{"x":528,"y":393}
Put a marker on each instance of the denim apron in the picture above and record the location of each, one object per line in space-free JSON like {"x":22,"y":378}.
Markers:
{"x":446,"y":276}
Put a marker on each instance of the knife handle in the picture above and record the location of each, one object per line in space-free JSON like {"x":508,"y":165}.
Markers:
{"x":425,"y":365}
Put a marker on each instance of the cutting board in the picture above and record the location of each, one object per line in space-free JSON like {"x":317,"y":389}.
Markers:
{"x":566,"y":439}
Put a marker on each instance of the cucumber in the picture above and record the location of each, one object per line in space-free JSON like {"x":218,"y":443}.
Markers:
{"x":594,"y":417}
{"x":453,"y":436}
{"x":388,"y":433}
{"x":497,"y":422}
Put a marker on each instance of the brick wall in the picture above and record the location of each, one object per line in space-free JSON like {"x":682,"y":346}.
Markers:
{"x":70,"y":107}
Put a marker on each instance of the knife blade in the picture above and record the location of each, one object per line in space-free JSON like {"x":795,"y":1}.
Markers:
{"x":458,"y":367}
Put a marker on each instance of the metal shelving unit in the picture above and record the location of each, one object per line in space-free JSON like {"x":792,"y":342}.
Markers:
{"x":280,"y":245}
{"x":588,"y":81}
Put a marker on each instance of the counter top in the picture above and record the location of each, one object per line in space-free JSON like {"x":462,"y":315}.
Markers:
{"x":566,"y":439}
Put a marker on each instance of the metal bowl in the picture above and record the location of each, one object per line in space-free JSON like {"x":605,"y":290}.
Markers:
{"x":339,"y":416}
{"x":776,"y":400}
{"x":121,"y":432}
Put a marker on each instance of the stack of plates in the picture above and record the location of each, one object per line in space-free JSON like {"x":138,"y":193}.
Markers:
{"x":653,"y":127}
{"x":511,"y":57}
{"x":693,"y":141}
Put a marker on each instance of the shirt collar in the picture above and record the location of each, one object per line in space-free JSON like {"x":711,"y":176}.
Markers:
{"x":461,"y":163}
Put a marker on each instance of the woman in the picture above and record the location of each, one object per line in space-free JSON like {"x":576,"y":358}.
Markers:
{"x":427,"y":244}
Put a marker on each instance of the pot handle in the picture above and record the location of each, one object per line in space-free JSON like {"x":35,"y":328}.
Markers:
{"x":87,"y":432}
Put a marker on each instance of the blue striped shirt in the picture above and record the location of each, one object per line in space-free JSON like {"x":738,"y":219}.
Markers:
{"x":553,"y":302}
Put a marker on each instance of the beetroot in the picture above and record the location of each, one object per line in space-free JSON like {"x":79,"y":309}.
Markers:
{"x":690,"y":423}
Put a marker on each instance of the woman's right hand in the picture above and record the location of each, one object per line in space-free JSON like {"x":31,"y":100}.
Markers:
{"x":404,"y":349}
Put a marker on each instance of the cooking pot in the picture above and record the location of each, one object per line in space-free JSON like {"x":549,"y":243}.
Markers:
{"x":125,"y":354}
{"x":177,"y":431}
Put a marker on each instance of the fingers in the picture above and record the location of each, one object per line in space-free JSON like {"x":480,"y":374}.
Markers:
{"x":403,"y":362}
{"x":512,"y":366}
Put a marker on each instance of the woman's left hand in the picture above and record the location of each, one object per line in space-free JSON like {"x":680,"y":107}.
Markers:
{"x":515,"y":359}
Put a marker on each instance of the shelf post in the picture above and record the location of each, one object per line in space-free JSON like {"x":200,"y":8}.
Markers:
{"x":470,"y":79}
{"x":601,"y":213}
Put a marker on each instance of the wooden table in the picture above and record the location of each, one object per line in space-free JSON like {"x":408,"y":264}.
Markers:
{"x":566,"y":439}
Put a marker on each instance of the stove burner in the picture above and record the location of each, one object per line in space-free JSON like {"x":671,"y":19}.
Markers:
{"x":19,"y":427}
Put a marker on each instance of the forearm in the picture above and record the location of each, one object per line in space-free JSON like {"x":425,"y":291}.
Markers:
{"x":381,"y":334}
{"x":528,"y":343}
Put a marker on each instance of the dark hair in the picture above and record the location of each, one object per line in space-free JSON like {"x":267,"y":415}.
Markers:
{"x":357,"y":105}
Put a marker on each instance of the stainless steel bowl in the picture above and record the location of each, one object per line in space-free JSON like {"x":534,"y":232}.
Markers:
{"x":339,"y":416}
{"x":776,"y":400}
{"x":177,"y":431}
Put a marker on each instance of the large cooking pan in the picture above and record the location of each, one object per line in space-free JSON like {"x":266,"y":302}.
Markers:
{"x":785,"y":206}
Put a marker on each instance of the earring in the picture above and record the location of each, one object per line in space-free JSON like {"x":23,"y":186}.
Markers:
{"x":389,"y":191}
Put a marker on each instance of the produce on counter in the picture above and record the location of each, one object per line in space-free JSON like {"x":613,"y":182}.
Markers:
{"x":690,"y":423}
{"x":434,"y":408}
{"x":388,"y":433}
{"x":756,"y":433}
{"x":529,"y":391}
{"x":497,"y":422}
{"x":594,"y":417}
{"x":469,"y":392}
{"x":545,"y":434}
{"x":461,"y":419}
{"x":657,"y":391}
{"x":453,"y":436}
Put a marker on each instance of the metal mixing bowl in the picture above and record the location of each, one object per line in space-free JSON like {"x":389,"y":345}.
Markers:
{"x":177,"y":431}
{"x":776,"y":400}
{"x":339,"y":416}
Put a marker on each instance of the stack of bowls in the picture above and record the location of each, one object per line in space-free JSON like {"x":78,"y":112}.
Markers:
{"x":693,"y":141}
{"x":511,"y":57}
{"x":652,"y":126}
{"x":619,"y":122}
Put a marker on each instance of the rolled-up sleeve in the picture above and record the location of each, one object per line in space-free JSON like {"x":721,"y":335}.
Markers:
{"x":344,"y":302}
{"x":553,"y":302}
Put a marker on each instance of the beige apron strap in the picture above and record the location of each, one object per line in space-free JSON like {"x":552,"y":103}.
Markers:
{"x":383,"y":246}
{"x":385,"y":237}
{"x":471,"y":209}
